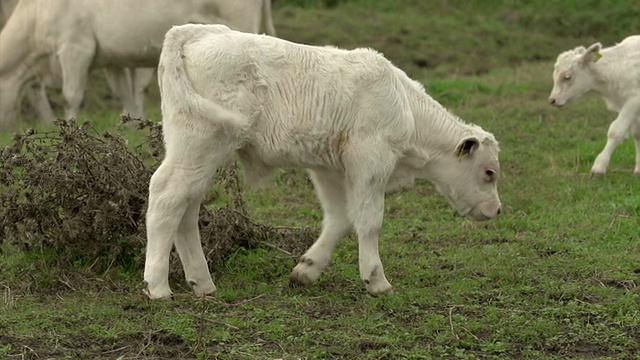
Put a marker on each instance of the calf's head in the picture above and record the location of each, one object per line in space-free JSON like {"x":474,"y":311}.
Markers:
{"x":468,"y":177}
{"x":572,"y":76}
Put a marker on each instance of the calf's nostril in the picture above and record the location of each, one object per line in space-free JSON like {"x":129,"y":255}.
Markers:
{"x":499,"y":210}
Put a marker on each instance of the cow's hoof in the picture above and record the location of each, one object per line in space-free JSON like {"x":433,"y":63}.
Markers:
{"x":636,"y":173}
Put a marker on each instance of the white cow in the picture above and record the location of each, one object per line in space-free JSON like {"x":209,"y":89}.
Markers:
{"x":59,"y":42}
{"x":356,"y":122}
{"x":6,"y":8}
{"x":35,"y":91}
{"x":614,"y":73}
{"x":131,"y":91}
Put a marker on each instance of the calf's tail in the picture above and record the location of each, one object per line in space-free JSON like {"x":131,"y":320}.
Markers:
{"x":174,"y":81}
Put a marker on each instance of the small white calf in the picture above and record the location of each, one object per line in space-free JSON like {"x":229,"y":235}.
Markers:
{"x":356,"y":122}
{"x":614,"y":73}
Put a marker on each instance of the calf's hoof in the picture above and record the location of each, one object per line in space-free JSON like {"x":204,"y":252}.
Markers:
{"x":379,"y":288}
{"x":599,"y":168}
{"x":202,"y":288}
{"x":304,"y":273}
{"x":157,"y":292}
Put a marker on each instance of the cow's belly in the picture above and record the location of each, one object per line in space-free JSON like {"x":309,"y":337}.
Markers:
{"x":138,"y":43}
{"x":126,"y":49}
{"x":145,"y":55}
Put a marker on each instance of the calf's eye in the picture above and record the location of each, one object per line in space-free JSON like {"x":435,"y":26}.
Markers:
{"x":490,"y":173}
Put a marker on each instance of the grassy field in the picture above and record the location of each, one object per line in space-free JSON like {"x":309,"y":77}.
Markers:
{"x":556,"y":276}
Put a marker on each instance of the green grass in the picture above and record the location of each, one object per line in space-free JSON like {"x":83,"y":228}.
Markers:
{"x":556,"y":276}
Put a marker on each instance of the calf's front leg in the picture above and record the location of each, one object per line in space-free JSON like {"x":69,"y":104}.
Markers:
{"x":635,"y":132}
{"x":366,"y":180}
{"x":366,"y":208}
{"x":616,"y":134}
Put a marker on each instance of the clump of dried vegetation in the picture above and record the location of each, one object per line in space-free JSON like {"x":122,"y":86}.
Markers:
{"x":85,"y":192}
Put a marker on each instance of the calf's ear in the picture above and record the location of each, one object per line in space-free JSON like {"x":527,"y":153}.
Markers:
{"x":467,"y":146}
{"x":592,"y":54}
{"x":580,"y":49}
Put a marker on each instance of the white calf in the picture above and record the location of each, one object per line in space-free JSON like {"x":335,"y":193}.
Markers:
{"x":356,"y":122}
{"x":614,"y":73}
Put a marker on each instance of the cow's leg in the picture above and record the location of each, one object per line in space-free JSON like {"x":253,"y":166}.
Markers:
{"x":616,"y":134}
{"x":335,"y":225}
{"x":635,"y":132}
{"x":120,"y":82}
{"x":175,"y":192}
{"x":9,"y":99}
{"x":75,"y":61}
{"x":17,"y":62}
{"x":366,"y":180}
{"x":37,"y":95}
{"x":140,"y":78}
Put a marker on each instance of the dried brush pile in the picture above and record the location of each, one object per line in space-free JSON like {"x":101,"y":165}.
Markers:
{"x":85,"y":192}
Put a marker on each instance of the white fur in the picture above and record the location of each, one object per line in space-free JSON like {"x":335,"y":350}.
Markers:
{"x":59,"y":41}
{"x":614,"y":73}
{"x":356,"y":122}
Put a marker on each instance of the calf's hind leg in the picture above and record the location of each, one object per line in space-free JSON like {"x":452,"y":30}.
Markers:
{"x":163,"y":216}
{"x":189,"y":249}
{"x":175,"y":192}
{"x":335,"y":225}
